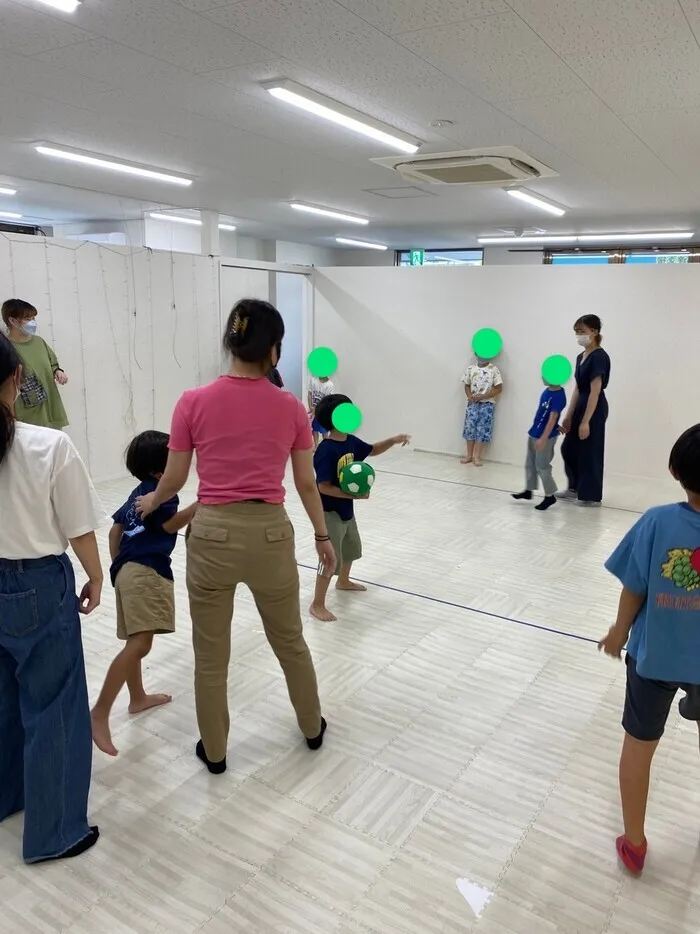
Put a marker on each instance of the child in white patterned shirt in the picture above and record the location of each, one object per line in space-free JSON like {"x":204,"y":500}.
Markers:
{"x":483,"y":384}
{"x":319,"y":388}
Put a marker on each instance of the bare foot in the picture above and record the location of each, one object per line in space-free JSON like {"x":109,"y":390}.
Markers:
{"x":148,"y":701}
{"x":478,"y":463}
{"x":101,"y":736}
{"x":466,"y":460}
{"x":322,"y":613}
{"x":350,"y":585}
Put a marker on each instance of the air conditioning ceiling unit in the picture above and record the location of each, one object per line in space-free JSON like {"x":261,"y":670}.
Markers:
{"x":498,"y":166}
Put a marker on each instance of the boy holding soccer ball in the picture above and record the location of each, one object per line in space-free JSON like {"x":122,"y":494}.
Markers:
{"x":336,"y":452}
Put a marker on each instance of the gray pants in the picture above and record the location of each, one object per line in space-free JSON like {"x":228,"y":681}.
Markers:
{"x":538,"y":466}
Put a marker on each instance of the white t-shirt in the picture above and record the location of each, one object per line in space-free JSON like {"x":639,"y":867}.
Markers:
{"x":46,"y":495}
{"x":482,"y":379}
{"x":320,"y":390}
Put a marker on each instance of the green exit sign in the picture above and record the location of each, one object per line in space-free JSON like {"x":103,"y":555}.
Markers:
{"x":416,"y":257}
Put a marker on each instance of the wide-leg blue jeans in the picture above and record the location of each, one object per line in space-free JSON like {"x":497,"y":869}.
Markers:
{"x":45,"y":732}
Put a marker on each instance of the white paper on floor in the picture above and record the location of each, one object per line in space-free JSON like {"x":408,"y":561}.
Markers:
{"x":476,"y":896}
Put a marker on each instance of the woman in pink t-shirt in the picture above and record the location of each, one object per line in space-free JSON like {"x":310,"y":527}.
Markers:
{"x":244,"y":430}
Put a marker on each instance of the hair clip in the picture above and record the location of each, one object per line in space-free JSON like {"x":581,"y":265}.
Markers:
{"x":239,"y":325}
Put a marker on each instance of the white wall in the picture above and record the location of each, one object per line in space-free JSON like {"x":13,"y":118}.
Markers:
{"x":303,"y":254}
{"x":505,"y":256}
{"x":403,"y":339}
{"x":132,"y":329}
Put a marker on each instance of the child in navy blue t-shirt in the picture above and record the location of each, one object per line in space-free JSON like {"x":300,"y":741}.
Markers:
{"x":658,"y":565}
{"x":335,"y":452}
{"x":142,"y":576}
{"x":541,"y":443}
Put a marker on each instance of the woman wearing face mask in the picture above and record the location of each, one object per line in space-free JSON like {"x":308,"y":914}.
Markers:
{"x":39,"y":402}
{"x":46,"y":502}
{"x":244,"y":431}
{"x":583,"y":449}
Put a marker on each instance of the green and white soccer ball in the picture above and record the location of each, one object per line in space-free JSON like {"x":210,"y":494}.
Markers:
{"x":357,"y":478}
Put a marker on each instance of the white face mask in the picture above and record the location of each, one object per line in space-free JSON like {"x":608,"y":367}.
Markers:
{"x":584,"y":340}
{"x":29,"y":327}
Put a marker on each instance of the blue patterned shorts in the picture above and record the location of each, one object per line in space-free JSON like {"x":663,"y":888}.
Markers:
{"x":478,"y":422}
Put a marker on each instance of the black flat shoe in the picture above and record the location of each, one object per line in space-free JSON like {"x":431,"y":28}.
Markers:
{"x":317,"y":741}
{"x":216,"y":768}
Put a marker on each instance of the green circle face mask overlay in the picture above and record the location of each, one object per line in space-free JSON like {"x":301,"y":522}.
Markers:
{"x":556,"y":370}
{"x":322,"y":362}
{"x":347,"y":418}
{"x":487,"y":344}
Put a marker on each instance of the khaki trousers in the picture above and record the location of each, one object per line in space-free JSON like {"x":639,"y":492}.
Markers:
{"x":252,"y":544}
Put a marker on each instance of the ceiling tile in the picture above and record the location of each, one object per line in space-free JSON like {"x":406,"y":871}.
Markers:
{"x":28,"y":31}
{"x":323,"y":35}
{"x":202,"y":6}
{"x":573,"y":27}
{"x":46,"y":80}
{"x":397,"y":16}
{"x":632,"y":79}
{"x":170,"y":32}
{"x":498,"y":57}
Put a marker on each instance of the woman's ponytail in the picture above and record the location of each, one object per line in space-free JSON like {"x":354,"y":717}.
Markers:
{"x":10,"y":362}
{"x":254,"y":327}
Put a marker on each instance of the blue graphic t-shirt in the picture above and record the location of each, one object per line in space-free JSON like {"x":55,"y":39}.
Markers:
{"x":330,"y":458}
{"x":551,"y":400}
{"x":144,"y":541}
{"x":660,"y":557}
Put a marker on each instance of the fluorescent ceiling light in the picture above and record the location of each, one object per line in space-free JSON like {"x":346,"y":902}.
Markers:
{"x":327,"y":212}
{"x":646,"y":237}
{"x":180,"y":219}
{"x":650,"y":237}
{"x":565,"y":238}
{"x":361,"y":243}
{"x":101,"y":162}
{"x":535,"y":201}
{"x":67,"y":6}
{"x":8,"y":191}
{"x":328,"y":109}
{"x":10,"y":216}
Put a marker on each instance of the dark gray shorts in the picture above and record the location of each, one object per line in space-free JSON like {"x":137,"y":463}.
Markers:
{"x":648,"y":704}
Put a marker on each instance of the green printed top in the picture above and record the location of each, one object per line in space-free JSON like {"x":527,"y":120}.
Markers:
{"x":39,"y":402}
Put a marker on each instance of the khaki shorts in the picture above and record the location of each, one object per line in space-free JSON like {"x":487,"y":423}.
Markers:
{"x":145,"y":601}
{"x":345,"y":538}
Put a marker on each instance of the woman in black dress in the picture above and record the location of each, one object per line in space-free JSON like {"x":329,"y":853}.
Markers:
{"x":583,"y":449}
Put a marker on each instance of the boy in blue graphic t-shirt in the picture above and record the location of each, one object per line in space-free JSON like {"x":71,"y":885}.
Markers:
{"x":541,"y":442}
{"x":658,"y":565}
{"x":335,"y":452}
{"x":142,"y":576}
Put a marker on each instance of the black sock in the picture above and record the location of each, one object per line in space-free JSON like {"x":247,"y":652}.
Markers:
{"x":317,"y":741}
{"x":526,"y":494}
{"x":546,"y":503}
{"x":81,"y":847}
{"x":216,"y":768}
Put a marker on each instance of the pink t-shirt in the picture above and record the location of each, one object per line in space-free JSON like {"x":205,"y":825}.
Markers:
{"x":243,"y":431}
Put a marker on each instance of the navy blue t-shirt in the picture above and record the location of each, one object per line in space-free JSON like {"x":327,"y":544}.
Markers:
{"x":144,"y":541}
{"x":551,"y":400}
{"x":330,"y":458}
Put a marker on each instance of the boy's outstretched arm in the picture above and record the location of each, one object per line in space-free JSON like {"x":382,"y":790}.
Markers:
{"x":628,"y":608}
{"x":180,"y":520}
{"x":381,"y":447}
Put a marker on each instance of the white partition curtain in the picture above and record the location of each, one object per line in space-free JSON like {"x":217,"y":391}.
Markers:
{"x":131,"y":327}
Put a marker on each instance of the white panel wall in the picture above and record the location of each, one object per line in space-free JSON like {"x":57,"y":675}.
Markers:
{"x":132,"y":329}
{"x":403,"y":338}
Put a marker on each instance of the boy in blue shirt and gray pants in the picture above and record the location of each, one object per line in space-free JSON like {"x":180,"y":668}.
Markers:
{"x":541,"y":442}
{"x":658,"y":565}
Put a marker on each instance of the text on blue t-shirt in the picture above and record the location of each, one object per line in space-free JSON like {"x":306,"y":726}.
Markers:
{"x":144,"y":541}
{"x":660,"y":557}
{"x":330,"y":458}
{"x":551,"y":400}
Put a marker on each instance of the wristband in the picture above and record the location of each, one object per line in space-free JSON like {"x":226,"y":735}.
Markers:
{"x":322,"y":538}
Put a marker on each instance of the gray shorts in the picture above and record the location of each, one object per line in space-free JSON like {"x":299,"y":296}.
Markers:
{"x":345,"y":538}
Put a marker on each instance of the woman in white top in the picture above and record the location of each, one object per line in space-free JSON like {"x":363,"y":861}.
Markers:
{"x":46,"y":502}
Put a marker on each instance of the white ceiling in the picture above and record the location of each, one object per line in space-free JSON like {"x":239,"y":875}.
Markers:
{"x":604,"y":92}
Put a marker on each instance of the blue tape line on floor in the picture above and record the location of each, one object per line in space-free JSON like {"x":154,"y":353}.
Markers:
{"x":470,"y":609}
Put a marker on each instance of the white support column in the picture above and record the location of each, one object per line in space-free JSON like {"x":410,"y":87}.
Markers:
{"x":210,"y":233}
